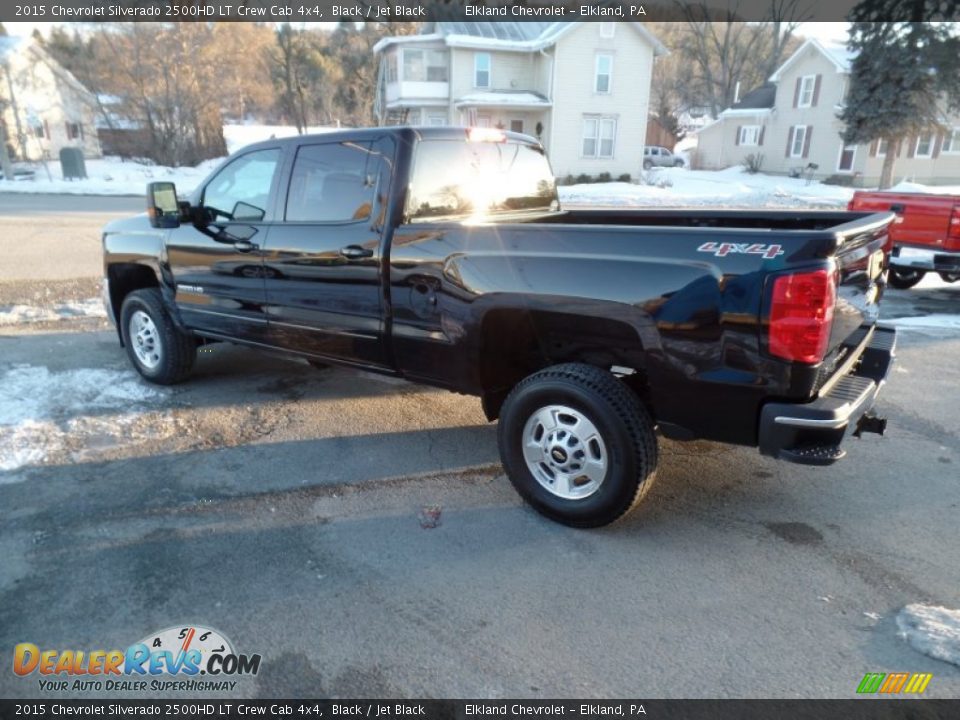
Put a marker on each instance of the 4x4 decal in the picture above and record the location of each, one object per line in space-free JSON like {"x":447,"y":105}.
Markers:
{"x":724,"y":249}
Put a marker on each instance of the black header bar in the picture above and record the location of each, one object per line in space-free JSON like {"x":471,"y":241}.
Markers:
{"x":468,"y":10}
{"x":637,"y":709}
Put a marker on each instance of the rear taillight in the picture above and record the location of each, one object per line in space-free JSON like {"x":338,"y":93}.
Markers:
{"x":801,"y":313}
{"x":954,"y":232}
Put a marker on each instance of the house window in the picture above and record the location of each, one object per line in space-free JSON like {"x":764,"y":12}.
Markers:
{"x":484,"y":121}
{"x":516,"y":126}
{"x":424,"y":65}
{"x":807,"y":84}
{"x":749,"y":135}
{"x":924,"y":147}
{"x":391,"y":67}
{"x":607,"y":29}
{"x":799,"y":140}
{"x":599,"y":134}
{"x":843,"y":93}
{"x":481,"y":70}
{"x":882,"y":148}
{"x":848,"y":154}
{"x":951,"y":141}
{"x":437,"y":119}
{"x":39,"y":132}
{"x":74,"y":131}
{"x":604,"y":74}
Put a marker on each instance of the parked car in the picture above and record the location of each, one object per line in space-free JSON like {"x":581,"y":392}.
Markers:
{"x":657,"y":156}
{"x":441,"y":255}
{"x":925,"y":235}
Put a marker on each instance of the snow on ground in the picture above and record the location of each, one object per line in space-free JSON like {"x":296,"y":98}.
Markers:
{"x":931,"y":630}
{"x":238,"y":136}
{"x":733,"y":187}
{"x":113,"y":176}
{"x":60,"y":416}
{"x":16,"y":314}
{"x":911,"y":187}
{"x":936,"y":321}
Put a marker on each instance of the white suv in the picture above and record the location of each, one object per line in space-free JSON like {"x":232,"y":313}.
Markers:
{"x":656,"y":156}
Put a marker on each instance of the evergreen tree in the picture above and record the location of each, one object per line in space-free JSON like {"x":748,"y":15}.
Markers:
{"x":903,"y":80}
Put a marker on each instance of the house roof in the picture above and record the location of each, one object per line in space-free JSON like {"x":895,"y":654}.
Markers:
{"x":838,"y":54}
{"x":758,"y":98}
{"x":10,"y":43}
{"x":502,"y":98}
{"x":507,"y":36}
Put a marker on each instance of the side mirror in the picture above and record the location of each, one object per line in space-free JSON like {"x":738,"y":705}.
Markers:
{"x":162,"y":206}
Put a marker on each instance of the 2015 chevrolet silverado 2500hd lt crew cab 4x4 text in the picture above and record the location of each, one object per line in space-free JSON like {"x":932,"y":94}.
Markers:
{"x":441,"y":255}
{"x":925,"y":235}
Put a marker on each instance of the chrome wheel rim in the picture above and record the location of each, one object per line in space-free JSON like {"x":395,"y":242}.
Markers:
{"x":565,"y":452}
{"x":145,"y":340}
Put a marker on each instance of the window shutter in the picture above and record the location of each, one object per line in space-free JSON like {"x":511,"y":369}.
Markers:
{"x":937,"y":143}
{"x":796,"y":93}
{"x":739,"y":128}
{"x":789,"y":142}
{"x":46,"y":130}
{"x":874,"y":148}
{"x":816,"y":90}
{"x":806,"y":141}
{"x":760,"y":139}
{"x":911,"y":146}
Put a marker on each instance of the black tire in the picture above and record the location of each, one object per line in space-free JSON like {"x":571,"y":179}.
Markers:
{"x":647,"y":164}
{"x":904,"y":278}
{"x":177,"y":350}
{"x":679,"y":163}
{"x":622,"y":422}
{"x":949,"y":277}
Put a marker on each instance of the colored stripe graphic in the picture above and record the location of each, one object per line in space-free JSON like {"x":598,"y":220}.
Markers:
{"x":871,"y":682}
{"x":918,"y":683}
{"x":893,"y":683}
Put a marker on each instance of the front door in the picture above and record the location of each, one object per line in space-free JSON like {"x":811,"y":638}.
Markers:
{"x":217,"y":262}
{"x":322,"y":265}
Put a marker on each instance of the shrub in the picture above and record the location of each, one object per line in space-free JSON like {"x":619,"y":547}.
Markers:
{"x":625,"y":178}
{"x":604,"y":177}
{"x":753,"y":162}
{"x":583,"y":179}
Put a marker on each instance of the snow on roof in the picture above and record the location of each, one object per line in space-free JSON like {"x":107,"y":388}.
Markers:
{"x":839,"y":55}
{"x":509,"y":36}
{"x":490,"y":99}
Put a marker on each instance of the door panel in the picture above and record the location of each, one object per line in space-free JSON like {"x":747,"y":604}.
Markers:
{"x":217,"y":262}
{"x":322,"y":264}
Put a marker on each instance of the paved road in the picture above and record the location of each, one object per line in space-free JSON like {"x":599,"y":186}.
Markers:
{"x":280,"y":505}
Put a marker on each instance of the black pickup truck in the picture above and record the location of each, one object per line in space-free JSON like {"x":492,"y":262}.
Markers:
{"x":441,"y":255}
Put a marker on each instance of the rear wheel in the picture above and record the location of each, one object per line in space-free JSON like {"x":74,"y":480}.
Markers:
{"x":159,"y":351}
{"x":904,"y":278}
{"x":950,"y":277}
{"x":578,"y":445}
{"x":678,"y":163}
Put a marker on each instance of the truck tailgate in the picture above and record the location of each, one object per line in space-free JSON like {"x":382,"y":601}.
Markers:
{"x":862,"y":256}
{"x":922,"y":219}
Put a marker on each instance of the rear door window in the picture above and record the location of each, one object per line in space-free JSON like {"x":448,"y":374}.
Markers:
{"x":332,"y":183}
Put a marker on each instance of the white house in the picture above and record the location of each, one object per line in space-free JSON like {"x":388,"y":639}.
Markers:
{"x":582,"y":88}
{"x":43,"y":107}
{"x":791,"y":122}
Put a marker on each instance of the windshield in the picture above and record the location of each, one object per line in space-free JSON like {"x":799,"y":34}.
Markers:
{"x":456,"y":179}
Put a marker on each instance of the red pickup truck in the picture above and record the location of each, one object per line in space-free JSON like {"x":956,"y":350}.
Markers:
{"x":925,"y":235}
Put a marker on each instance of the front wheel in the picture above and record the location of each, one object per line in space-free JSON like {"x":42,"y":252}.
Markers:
{"x":647,"y":164}
{"x":904,"y":278}
{"x":160,"y":352}
{"x":578,"y":445}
